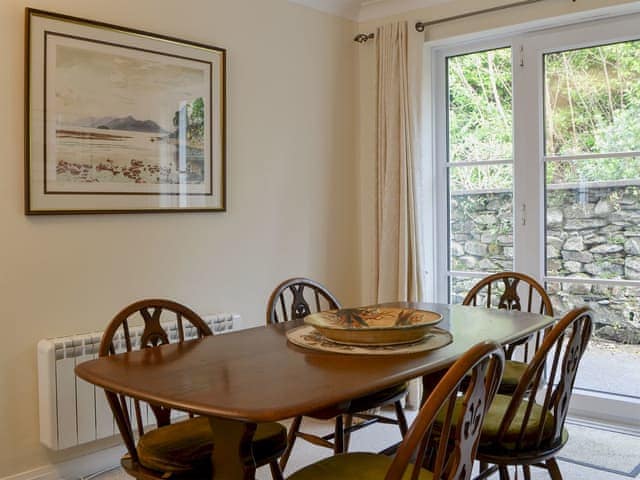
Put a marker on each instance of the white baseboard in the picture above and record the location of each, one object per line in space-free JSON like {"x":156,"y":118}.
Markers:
{"x":79,"y":468}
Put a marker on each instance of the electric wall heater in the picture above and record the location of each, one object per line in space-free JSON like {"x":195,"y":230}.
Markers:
{"x":74,"y":412}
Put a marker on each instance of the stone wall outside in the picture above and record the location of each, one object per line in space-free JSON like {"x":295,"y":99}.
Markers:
{"x":591,"y":233}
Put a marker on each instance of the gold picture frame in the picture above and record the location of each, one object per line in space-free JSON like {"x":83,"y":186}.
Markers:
{"x":119,"y":120}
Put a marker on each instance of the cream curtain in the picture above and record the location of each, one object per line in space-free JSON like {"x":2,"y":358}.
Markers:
{"x":398,"y":263}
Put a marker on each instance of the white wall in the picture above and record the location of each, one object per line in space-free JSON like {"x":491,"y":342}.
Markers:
{"x":291,"y":186}
{"x":367,"y":89}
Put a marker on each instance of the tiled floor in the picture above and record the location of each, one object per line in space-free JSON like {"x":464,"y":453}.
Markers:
{"x":591,"y":453}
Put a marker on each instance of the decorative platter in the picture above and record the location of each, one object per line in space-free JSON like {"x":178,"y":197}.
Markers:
{"x":307,"y":336}
{"x":373,"y":325}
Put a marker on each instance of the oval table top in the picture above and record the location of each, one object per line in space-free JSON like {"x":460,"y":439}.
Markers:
{"x":255,"y":375}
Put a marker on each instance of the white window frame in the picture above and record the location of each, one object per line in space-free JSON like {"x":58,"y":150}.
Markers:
{"x":440,"y":106}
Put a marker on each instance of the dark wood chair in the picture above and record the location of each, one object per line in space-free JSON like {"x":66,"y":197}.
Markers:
{"x":527,"y":427}
{"x":295,"y":299}
{"x":450,"y":456}
{"x":180,"y":450}
{"x":513,"y":291}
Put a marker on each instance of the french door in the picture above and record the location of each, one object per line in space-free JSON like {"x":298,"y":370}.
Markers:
{"x":538,"y":171}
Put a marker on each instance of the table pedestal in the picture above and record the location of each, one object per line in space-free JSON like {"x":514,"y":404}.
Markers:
{"x":232,"y":456}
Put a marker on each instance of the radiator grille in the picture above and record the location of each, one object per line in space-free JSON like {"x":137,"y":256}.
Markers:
{"x":74,"y":412}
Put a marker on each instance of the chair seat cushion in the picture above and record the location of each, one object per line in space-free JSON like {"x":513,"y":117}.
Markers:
{"x":186,"y":446}
{"x":497,"y":412}
{"x":513,"y":372}
{"x":353,"y":466}
{"x":493,"y":420}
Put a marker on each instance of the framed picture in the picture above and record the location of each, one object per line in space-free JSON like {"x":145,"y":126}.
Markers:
{"x":120,"y":120}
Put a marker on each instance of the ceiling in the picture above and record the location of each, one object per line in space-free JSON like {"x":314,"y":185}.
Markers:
{"x":363,"y":10}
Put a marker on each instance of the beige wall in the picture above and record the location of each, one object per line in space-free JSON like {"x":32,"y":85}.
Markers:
{"x":367,"y":92}
{"x":291,"y":177}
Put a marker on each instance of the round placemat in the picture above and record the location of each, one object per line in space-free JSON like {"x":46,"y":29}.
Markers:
{"x":308,"y":337}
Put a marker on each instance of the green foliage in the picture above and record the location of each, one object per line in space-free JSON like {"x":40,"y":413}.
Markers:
{"x":592,"y":96}
{"x":481,"y":177}
{"x":480,"y":110}
{"x":196,"y":121}
{"x":600,"y":170}
{"x":592,"y":105}
{"x":195,"y":115}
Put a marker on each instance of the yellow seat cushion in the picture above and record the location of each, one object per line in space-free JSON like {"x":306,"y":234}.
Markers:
{"x":187,"y":445}
{"x":513,"y":372}
{"x":354,"y":466}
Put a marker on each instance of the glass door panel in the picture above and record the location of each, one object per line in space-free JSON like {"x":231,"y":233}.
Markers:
{"x":592,"y":177}
{"x":479,"y":166}
{"x":592,"y":100}
{"x":538,"y":171}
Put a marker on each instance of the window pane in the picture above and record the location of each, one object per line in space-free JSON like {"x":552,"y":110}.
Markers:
{"x":459,"y":287}
{"x":616,"y":338}
{"x":480,"y":109}
{"x":592,"y":100}
{"x":585,"y":171}
{"x":593,"y":228}
{"x":482,"y":177}
{"x":481,"y":229}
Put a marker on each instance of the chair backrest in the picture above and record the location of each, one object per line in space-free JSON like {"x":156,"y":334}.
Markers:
{"x":512,"y":291}
{"x":506,"y":289}
{"x":296,"y":298}
{"x":452,"y":450}
{"x":142,"y":325}
{"x":549,"y":378}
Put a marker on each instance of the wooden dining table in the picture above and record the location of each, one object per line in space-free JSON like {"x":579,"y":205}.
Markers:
{"x":256,"y":375}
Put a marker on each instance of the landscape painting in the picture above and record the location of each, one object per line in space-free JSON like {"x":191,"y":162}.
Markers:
{"x":122,"y":121}
{"x":126,"y":122}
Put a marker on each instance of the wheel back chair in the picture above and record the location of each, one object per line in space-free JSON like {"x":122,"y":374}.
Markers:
{"x":513,"y":291}
{"x":465,"y":390}
{"x":526,"y":427}
{"x":180,"y":450}
{"x":293,"y":299}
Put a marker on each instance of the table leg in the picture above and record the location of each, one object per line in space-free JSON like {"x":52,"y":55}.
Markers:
{"x":232,"y":457}
{"x":429,"y":382}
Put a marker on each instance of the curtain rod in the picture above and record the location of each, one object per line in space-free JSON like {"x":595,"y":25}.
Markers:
{"x":420,"y":26}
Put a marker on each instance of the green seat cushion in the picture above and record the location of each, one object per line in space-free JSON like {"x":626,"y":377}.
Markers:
{"x":354,"y":466}
{"x":187,"y":445}
{"x":513,"y":372}
{"x":493,"y":420}
{"x":497,"y":412}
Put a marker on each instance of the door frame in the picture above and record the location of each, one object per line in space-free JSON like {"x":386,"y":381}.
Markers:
{"x":440,"y":143}
{"x":528,"y":44}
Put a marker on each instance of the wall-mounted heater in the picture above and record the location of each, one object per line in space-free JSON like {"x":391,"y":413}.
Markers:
{"x":74,"y":412}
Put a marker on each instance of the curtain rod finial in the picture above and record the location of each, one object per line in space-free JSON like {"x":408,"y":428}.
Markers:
{"x":363,"y":37}
{"x":419,"y":27}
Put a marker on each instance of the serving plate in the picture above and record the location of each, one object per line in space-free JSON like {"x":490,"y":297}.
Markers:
{"x":373,"y":325}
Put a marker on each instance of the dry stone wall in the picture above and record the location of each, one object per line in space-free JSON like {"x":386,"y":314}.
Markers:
{"x":591,"y":233}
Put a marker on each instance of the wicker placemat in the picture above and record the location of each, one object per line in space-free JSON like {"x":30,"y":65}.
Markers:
{"x":308,"y":337}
